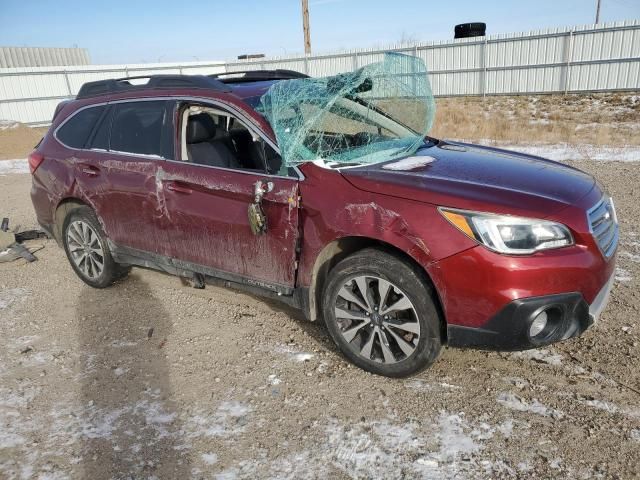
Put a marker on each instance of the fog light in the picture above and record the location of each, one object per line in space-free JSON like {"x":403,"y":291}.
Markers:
{"x":538,"y":324}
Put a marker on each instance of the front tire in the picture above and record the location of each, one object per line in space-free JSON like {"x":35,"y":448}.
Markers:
{"x":88,"y":251}
{"x":380,"y":312}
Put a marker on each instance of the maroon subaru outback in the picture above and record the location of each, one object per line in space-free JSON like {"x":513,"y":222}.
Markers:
{"x":400,"y":242}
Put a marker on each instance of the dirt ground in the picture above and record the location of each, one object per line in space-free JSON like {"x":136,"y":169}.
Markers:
{"x":152,"y":379}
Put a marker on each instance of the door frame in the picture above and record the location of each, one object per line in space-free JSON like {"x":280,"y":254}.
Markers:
{"x":254,"y":129}
{"x":247,"y":121}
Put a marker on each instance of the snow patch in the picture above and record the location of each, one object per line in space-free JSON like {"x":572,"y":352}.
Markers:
{"x":514,"y":402}
{"x":541,"y":356}
{"x":446,"y":447}
{"x":123,"y":344}
{"x":121,"y":428}
{"x":449,"y":386}
{"x":8,"y":124}
{"x":454,"y":441}
{"x":20,"y":397}
{"x":302,"y":357}
{"x":410,"y":163}
{"x":622,"y":275}
{"x":565,"y":151}
{"x":610,"y":407}
{"x":293,"y":353}
{"x":9,"y":296}
{"x":602,"y":405}
{"x":229,"y":419}
{"x":209,"y":458}
{"x":634,"y":257}
{"x":14,"y":166}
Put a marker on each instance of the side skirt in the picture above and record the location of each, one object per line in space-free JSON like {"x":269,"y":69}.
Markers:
{"x":294,"y":297}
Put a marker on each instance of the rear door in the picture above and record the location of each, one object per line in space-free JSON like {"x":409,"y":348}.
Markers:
{"x":208,"y":225}
{"x":116,"y":172}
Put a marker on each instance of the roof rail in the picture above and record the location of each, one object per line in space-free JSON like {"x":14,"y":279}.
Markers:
{"x":257,"y":75}
{"x":118,"y":85}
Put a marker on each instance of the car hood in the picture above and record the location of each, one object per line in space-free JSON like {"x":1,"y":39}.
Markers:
{"x":473,"y":177}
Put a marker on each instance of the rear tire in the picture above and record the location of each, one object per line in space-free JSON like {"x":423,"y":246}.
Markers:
{"x":394,"y":336}
{"x":88,"y":251}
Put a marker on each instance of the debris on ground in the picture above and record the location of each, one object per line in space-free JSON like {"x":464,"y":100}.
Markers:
{"x":11,"y":243}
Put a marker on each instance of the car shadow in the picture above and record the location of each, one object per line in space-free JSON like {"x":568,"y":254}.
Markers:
{"x":129,"y":418}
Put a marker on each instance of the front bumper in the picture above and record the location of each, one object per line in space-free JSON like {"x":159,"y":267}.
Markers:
{"x":569,"y":316}
{"x":601,"y":300}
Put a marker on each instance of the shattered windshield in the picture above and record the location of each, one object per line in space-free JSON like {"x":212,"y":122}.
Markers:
{"x":379,"y":112}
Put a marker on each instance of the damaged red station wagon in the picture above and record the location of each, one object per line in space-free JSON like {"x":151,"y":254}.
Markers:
{"x":328,"y":194}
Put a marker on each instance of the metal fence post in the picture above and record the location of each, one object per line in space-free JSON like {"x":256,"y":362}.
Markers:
{"x":66,"y":79}
{"x":355,"y":60}
{"x":483,"y":80}
{"x":568,"y":53}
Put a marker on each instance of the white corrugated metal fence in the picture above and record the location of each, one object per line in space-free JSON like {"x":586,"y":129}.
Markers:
{"x":15,"y":57}
{"x":587,"y":58}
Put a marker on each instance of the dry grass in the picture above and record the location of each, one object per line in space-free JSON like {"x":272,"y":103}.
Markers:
{"x":599,"y":119}
{"x":19,"y":141}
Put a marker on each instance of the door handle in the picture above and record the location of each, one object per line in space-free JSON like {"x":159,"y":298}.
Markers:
{"x":90,"y":170}
{"x":178,"y":188}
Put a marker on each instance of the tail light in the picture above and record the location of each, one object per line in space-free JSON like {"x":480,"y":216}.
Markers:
{"x":35,"y":159}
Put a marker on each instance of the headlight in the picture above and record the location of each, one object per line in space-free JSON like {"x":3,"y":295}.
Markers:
{"x":508,"y":234}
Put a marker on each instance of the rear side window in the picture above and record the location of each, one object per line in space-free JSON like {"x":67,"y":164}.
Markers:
{"x":75,"y":131}
{"x":137,"y":127}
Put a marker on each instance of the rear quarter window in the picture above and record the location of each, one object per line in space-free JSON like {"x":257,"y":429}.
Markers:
{"x":75,"y":132}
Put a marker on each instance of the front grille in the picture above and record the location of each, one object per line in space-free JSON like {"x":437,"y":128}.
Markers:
{"x":603,"y":225}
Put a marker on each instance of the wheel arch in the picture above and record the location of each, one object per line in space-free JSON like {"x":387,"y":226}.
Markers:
{"x":64,"y":207}
{"x":341,"y":248}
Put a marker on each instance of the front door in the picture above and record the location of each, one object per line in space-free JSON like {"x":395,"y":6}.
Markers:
{"x":207,"y":194}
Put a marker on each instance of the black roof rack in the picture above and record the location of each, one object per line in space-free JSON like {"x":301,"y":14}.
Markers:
{"x":117,"y":85}
{"x":258,"y":75}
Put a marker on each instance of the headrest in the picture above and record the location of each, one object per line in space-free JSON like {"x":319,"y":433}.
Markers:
{"x":200,"y":128}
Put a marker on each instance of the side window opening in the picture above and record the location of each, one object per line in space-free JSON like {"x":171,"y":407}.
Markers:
{"x":216,"y":138}
{"x":138,"y":127}
{"x":76,"y":131}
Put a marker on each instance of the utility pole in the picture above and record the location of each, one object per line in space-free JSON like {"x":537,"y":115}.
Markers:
{"x":598,"y":12}
{"x":305,"y":26}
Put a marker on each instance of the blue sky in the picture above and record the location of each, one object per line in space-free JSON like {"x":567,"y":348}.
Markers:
{"x":132,"y":31}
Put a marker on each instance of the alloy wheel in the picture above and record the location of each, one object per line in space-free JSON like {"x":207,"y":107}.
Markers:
{"x":85,"y":249}
{"x":377,"y":319}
